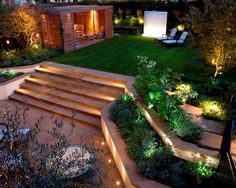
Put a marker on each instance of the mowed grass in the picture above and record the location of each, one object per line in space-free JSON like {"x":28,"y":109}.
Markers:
{"x":119,"y":55}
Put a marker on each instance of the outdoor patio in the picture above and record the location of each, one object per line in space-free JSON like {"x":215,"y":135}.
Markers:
{"x":118,"y":94}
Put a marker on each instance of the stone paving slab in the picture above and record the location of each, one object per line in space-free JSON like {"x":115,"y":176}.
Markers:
{"x":108,"y":169}
{"x":209,"y":125}
{"x":211,"y":140}
{"x":192,"y":110}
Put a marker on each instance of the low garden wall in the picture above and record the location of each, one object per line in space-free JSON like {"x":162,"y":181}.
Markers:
{"x":127,"y":167}
{"x":9,"y":86}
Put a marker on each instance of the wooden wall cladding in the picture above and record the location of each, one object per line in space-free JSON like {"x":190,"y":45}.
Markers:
{"x":67,"y":21}
{"x":58,"y":28}
{"x":109,"y":24}
{"x":51,"y":30}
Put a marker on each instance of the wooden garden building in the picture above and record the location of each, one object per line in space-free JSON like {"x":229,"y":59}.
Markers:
{"x":68,"y":26}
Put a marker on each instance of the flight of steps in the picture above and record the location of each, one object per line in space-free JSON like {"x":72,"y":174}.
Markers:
{"x":63,"y":91}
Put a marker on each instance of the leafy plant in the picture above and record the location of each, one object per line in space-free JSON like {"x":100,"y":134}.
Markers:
{"x":153,"y":85}
{"x":214,"y":109}
{"x":203,"y":170}
{"x":8,"y":75}
{"x":186,"y":91}
{"x":183,"y":127}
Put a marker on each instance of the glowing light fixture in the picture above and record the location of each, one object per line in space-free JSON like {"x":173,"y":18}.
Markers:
{"x":117,"y":21}
{"x":214,"y":107}
{"x":103,"y":143}
{"x":37,"y":35}
{"x":181,"y":27}
{"x":140,"y":21}
{"x":117,"y":183}
{"x":154,"y":23}
{"x":109,"y":160}
{"x":7,"y":41}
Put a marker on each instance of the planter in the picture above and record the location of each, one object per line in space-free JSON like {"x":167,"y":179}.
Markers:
{"x":127,"y":167}
{"x":9,"y":86}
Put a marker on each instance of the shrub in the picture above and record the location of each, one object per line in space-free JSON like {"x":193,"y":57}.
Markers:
{"x":26,"y":56}
{"x":186,"y":91}
{"x":8,"y":75}
{"x":214,"y":109}
{"x":165,"y":167}
{"x":184,"y":128}
{"x":145,"y":147}
{"x":202,"y":170}
{"x":153,"y":85}
{"x":24,"y":158}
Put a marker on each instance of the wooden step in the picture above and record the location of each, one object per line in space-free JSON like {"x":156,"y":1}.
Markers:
{"x":59,"y":102}
{"x":69,"y":89}
{"x":81,"y":72}
{"x":84,"y":79}
{"x":52,"y":108}
{"x":88,"y":87}
{"x":64,"y":95}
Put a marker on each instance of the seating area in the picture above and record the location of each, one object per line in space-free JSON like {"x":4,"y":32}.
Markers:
{"x":68,"y":27}
{"x":172,"y":40}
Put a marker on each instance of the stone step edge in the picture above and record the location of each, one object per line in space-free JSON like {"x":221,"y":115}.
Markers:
{"x":24,"y":86}
{"x":56,"y":103}
{"x":100,"y":97}
{"x":55,"y":112}
{"x":83,"y":74}
{"x":94,"y":82}
{"x":72,"y":85}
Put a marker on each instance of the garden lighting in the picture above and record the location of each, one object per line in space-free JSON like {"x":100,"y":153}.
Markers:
{"x":181,"y":27}
{"x":117,"y":183}
{"x":155,"y":23}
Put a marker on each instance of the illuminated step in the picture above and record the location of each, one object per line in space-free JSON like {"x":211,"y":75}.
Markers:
{"x":85,"y":119}
{"x":59,"y":102}
{"x":83,"y":92}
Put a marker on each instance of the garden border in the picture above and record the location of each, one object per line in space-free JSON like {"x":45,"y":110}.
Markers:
{"x":127,"y":167}
{"x":9,"y":86}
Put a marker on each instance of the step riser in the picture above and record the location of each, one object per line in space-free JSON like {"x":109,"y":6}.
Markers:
{"x":61,"y":105}
{"x":79,"y":79}
{"x":74,"y":85}
{"x":102,"y":99}
{"x":60,"y":97}
{"x":84,"y":74}
{"x":60,"y":114}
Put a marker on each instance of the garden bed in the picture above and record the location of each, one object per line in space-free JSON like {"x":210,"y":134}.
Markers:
{"x":9,"y":85}
{"x":150,"y":153}
{"x":8,"y":75}
{"x":23,"y":57}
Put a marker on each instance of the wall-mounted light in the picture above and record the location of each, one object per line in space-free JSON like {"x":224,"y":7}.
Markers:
{"x":8,"y":41}
{"x":117,"y":183}
{"x":37,"y":35}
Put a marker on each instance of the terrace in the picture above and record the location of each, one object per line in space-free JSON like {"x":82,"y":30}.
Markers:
{"x":137,"y":108}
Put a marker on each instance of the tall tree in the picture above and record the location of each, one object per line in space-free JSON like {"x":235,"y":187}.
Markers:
{"x":214,"y":29}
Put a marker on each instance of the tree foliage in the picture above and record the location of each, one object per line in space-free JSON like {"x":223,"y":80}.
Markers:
{"x":20,"y":21}
{"x":214,"y":30}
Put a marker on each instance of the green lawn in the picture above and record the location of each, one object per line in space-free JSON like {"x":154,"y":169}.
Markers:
{"x":119,"y":55}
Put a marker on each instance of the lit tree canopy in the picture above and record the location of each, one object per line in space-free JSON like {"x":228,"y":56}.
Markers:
{"x":214,"y":31}
{"x":20,"y":21}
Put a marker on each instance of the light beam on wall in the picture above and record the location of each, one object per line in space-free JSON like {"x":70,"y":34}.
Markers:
{"x":154,"y":23}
